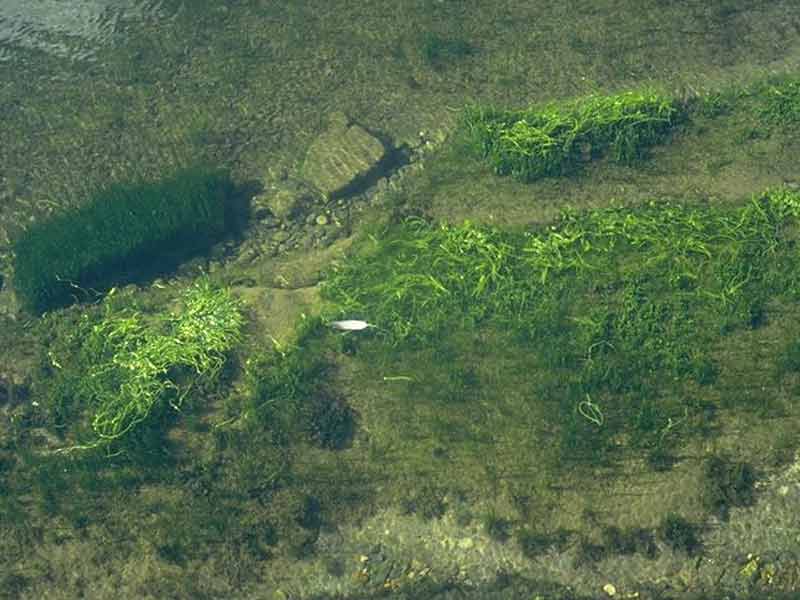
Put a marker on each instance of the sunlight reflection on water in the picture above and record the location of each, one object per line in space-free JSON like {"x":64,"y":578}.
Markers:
{"x":74,"y":29}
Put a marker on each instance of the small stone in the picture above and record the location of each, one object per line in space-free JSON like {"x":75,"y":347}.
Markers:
{"x":247,"y":255}
{"x":466,"y":543}
{"x":280,"y":236}
{"x":286,"y":201}
{"x":268,"y":249}
{"x":610,"y":590}
{"x":322,"y":220}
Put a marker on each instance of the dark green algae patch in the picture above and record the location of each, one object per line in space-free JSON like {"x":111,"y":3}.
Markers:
{"x":121,"y":230}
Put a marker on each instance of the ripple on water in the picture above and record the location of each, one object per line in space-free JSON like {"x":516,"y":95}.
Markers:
{"x":73,"y":29}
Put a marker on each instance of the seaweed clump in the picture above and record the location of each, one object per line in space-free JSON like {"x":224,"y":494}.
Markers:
{"x":554,"y":139}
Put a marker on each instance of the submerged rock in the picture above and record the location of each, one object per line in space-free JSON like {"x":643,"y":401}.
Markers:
{"x":341,"y":157}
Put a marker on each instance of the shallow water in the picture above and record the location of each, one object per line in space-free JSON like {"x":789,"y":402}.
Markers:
{"x":256,"y":76}
{"x":72,"y":29}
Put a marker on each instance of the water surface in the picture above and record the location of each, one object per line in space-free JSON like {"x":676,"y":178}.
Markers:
{"x":76,"y":30}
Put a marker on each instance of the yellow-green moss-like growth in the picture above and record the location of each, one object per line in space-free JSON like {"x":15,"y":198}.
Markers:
{"x":553,"y":139}
{"x":779,"y":102}
{"x":123,"y":228}
{"x":136,"y":361}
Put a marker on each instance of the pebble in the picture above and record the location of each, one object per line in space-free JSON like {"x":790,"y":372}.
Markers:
{"x":466,"y":543}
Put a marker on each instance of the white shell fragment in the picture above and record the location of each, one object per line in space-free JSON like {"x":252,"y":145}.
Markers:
{"x":351,"y":325}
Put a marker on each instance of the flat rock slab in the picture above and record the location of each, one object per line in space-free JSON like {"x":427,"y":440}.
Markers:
{"x":299,"y":270}
{"x":274,"y":312}
{"x":342,"y":156}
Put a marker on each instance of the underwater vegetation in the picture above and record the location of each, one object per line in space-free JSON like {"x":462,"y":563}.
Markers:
{"x":599,"y":332}
{"x":619,"y":306}
{"x":121,"y":230}
{"x":126,"y":390}
{"x":128,"y":362}
{"x":554,"y":139}
{"x":763,"y":108}
{"x":780,"y":102}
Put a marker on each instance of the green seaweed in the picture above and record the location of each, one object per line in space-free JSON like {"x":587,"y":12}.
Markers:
{"x":554,"y":139}
{"x":130,"y":365}
{"x":583,"y":299}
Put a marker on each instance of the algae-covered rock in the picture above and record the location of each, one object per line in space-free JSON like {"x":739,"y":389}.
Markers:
{"x":342,"y":156}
